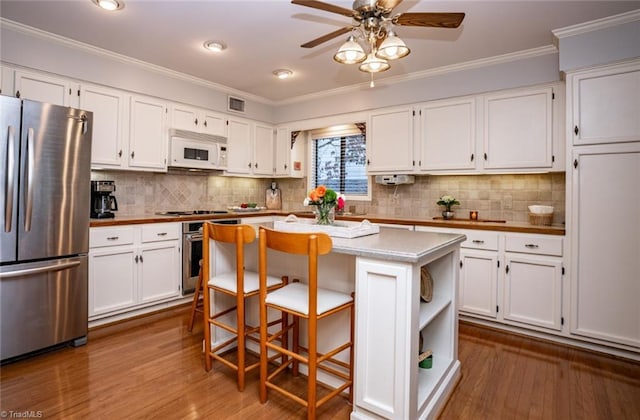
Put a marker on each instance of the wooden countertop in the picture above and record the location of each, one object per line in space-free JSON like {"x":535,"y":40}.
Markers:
{"x":517,"y":227}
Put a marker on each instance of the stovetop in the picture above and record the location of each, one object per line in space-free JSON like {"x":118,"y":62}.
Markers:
{"x":190,"y":212}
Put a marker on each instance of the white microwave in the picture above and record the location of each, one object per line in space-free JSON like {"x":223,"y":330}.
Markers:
{"x":188,"y":149}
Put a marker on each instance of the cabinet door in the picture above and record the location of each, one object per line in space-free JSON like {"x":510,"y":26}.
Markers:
{"x":605,"y":242}
{"x":606,"y":105}
{"x":184,"y":117}
{"x":448,"y":135}
{"x":263,"y":150}
{"x":147,"y":136}
{"x":108,"y":107}
{"x":478,"y":289}
{"x":390,"y":141}
{"x":112,"y":280}
{"x":213,"y":123}
{"x":43,"y":88}
{"x":533,"y":290}
{"x":239,"y":145}
{"x":159,"y":271}
{"x":518,"y":129}
{"x":283,"y":151}
{"x":384,"y":336}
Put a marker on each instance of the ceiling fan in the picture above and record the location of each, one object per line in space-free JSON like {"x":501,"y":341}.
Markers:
{"x":372,"y":21}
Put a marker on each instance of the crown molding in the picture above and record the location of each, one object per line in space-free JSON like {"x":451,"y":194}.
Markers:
{"x":598,"y":24}
{"x":18,"y":27}
{"x":483,"y":62}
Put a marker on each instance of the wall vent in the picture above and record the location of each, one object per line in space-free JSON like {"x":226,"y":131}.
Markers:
{"x":235,"y":104}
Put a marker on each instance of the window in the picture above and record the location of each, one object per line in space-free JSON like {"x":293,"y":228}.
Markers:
{"x":338,"y":161}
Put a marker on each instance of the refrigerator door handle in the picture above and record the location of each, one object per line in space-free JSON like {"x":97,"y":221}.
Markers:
{"x":38,"y":270}
{"x":29,"y":172}
{"x":8,"y":199}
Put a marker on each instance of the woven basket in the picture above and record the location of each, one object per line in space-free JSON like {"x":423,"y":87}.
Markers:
{"x":540,"y":219}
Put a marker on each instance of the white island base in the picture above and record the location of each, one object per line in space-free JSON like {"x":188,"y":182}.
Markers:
{"x":385,"y":271}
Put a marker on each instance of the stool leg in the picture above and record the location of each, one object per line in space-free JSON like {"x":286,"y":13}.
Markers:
{"x":196,"y":298}
{"x":240,"y":329}
{"x":312,"y":334}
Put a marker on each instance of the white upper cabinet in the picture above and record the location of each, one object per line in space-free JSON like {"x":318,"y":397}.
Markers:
{"x":44,"y":88}
{"x":606,"y":105}
{"x":147,"y":134}
{"x":448,"y":135}
{"x":263,"y":150}
{"x":283,"y":152}
{"x":518,"y":129}
{"x":390,"y":141}
{"x":184,"y":117}
{"x":108,"y":107}
{"x":239,"y":144}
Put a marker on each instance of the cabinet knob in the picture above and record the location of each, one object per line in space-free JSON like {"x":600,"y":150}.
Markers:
{"x":472,"y":157}
{"x":133,"y":154}
{"x":575,"y":130}
{"x":120,"y":153}
{"x":141,"y":258}
{"x":485,"y":156}
{"x":113,"y":238}
{"x":136,"y":259}
{"x":531,"y":246}
{"x":477,"y":241}
{"x":205,"y":123}
{"x":196,"y":121}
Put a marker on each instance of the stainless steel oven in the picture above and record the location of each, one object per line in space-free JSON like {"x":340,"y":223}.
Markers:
{"x":192,"y":251}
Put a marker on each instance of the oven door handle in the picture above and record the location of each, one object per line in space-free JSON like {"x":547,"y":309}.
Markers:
{"x":194,"y":238}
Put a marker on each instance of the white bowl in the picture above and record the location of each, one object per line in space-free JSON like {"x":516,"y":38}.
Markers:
{"x":536,"y":209}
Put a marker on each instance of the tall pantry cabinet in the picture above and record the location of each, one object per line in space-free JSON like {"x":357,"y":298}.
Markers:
{"x":603,"y":203}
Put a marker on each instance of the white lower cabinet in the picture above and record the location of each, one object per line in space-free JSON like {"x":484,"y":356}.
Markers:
{"x":478,"y":282}
{"x":533,"y":280}
{"x":514,"y":279}
{"x":133,"y":266}
{"x":533,"y":290}
{"x":479,"y":263}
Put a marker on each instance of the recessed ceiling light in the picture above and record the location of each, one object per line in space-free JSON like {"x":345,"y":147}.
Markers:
{"x":283,"y":73}
{"x":110,"y":4}
{"x":215,"y":46}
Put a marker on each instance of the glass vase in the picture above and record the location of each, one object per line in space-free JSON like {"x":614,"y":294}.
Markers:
{"x":325,"y":215}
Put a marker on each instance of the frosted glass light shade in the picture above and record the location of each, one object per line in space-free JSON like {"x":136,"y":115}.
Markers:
{"x":392,"y":48}
{"x":374,"y":64}
{"x":350,"y":52}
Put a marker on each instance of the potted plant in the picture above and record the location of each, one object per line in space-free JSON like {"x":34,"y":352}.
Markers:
{"x":447,"y":201}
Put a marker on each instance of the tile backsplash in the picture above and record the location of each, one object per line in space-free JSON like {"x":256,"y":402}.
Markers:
{"x":496,"y":197}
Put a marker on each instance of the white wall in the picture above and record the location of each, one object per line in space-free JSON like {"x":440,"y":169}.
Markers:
{"x":598,"y":47}
{"x":538,"y":69}
{"x":48,"y":53}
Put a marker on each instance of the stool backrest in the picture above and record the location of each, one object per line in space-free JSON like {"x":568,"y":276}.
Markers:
{"x":310,"y":244}
{"x":238,"y":234}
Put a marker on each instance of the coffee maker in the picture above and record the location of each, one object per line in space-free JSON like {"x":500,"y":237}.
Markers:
{"x":103,"y":203}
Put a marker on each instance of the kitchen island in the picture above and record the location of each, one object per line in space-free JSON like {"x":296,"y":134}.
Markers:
{"x":384,"y":269}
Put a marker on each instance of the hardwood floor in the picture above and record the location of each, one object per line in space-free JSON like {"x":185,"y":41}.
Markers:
{"x":153,"y":368}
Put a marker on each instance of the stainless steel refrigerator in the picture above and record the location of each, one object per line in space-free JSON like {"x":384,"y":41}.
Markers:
{"x":45,"y":180}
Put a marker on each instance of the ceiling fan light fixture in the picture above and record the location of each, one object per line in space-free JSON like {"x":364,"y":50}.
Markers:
{"x":283,"y":73}
{"x":215,"y":46}
{"x":374,"y":64}
{"x":392,"y":47}
{"x":109,"y":5}
{"x":350,"y":52}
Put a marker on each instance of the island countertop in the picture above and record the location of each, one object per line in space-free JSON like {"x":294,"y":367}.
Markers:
{"x":396,"y":244}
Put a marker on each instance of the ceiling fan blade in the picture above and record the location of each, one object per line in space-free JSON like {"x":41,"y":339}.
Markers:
{"x":435,"y":20}
{"x":387,"y":5}
{"x":324,"y":6}
{"x":327,"y":37}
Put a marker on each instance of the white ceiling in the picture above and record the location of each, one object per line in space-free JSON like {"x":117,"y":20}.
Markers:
{"x":265,"y":35}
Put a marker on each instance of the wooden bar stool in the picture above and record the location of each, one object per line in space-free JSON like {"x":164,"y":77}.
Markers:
{"x":196,"y":305}
{"x":238,"y":283}
{"x":309,"y":302}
